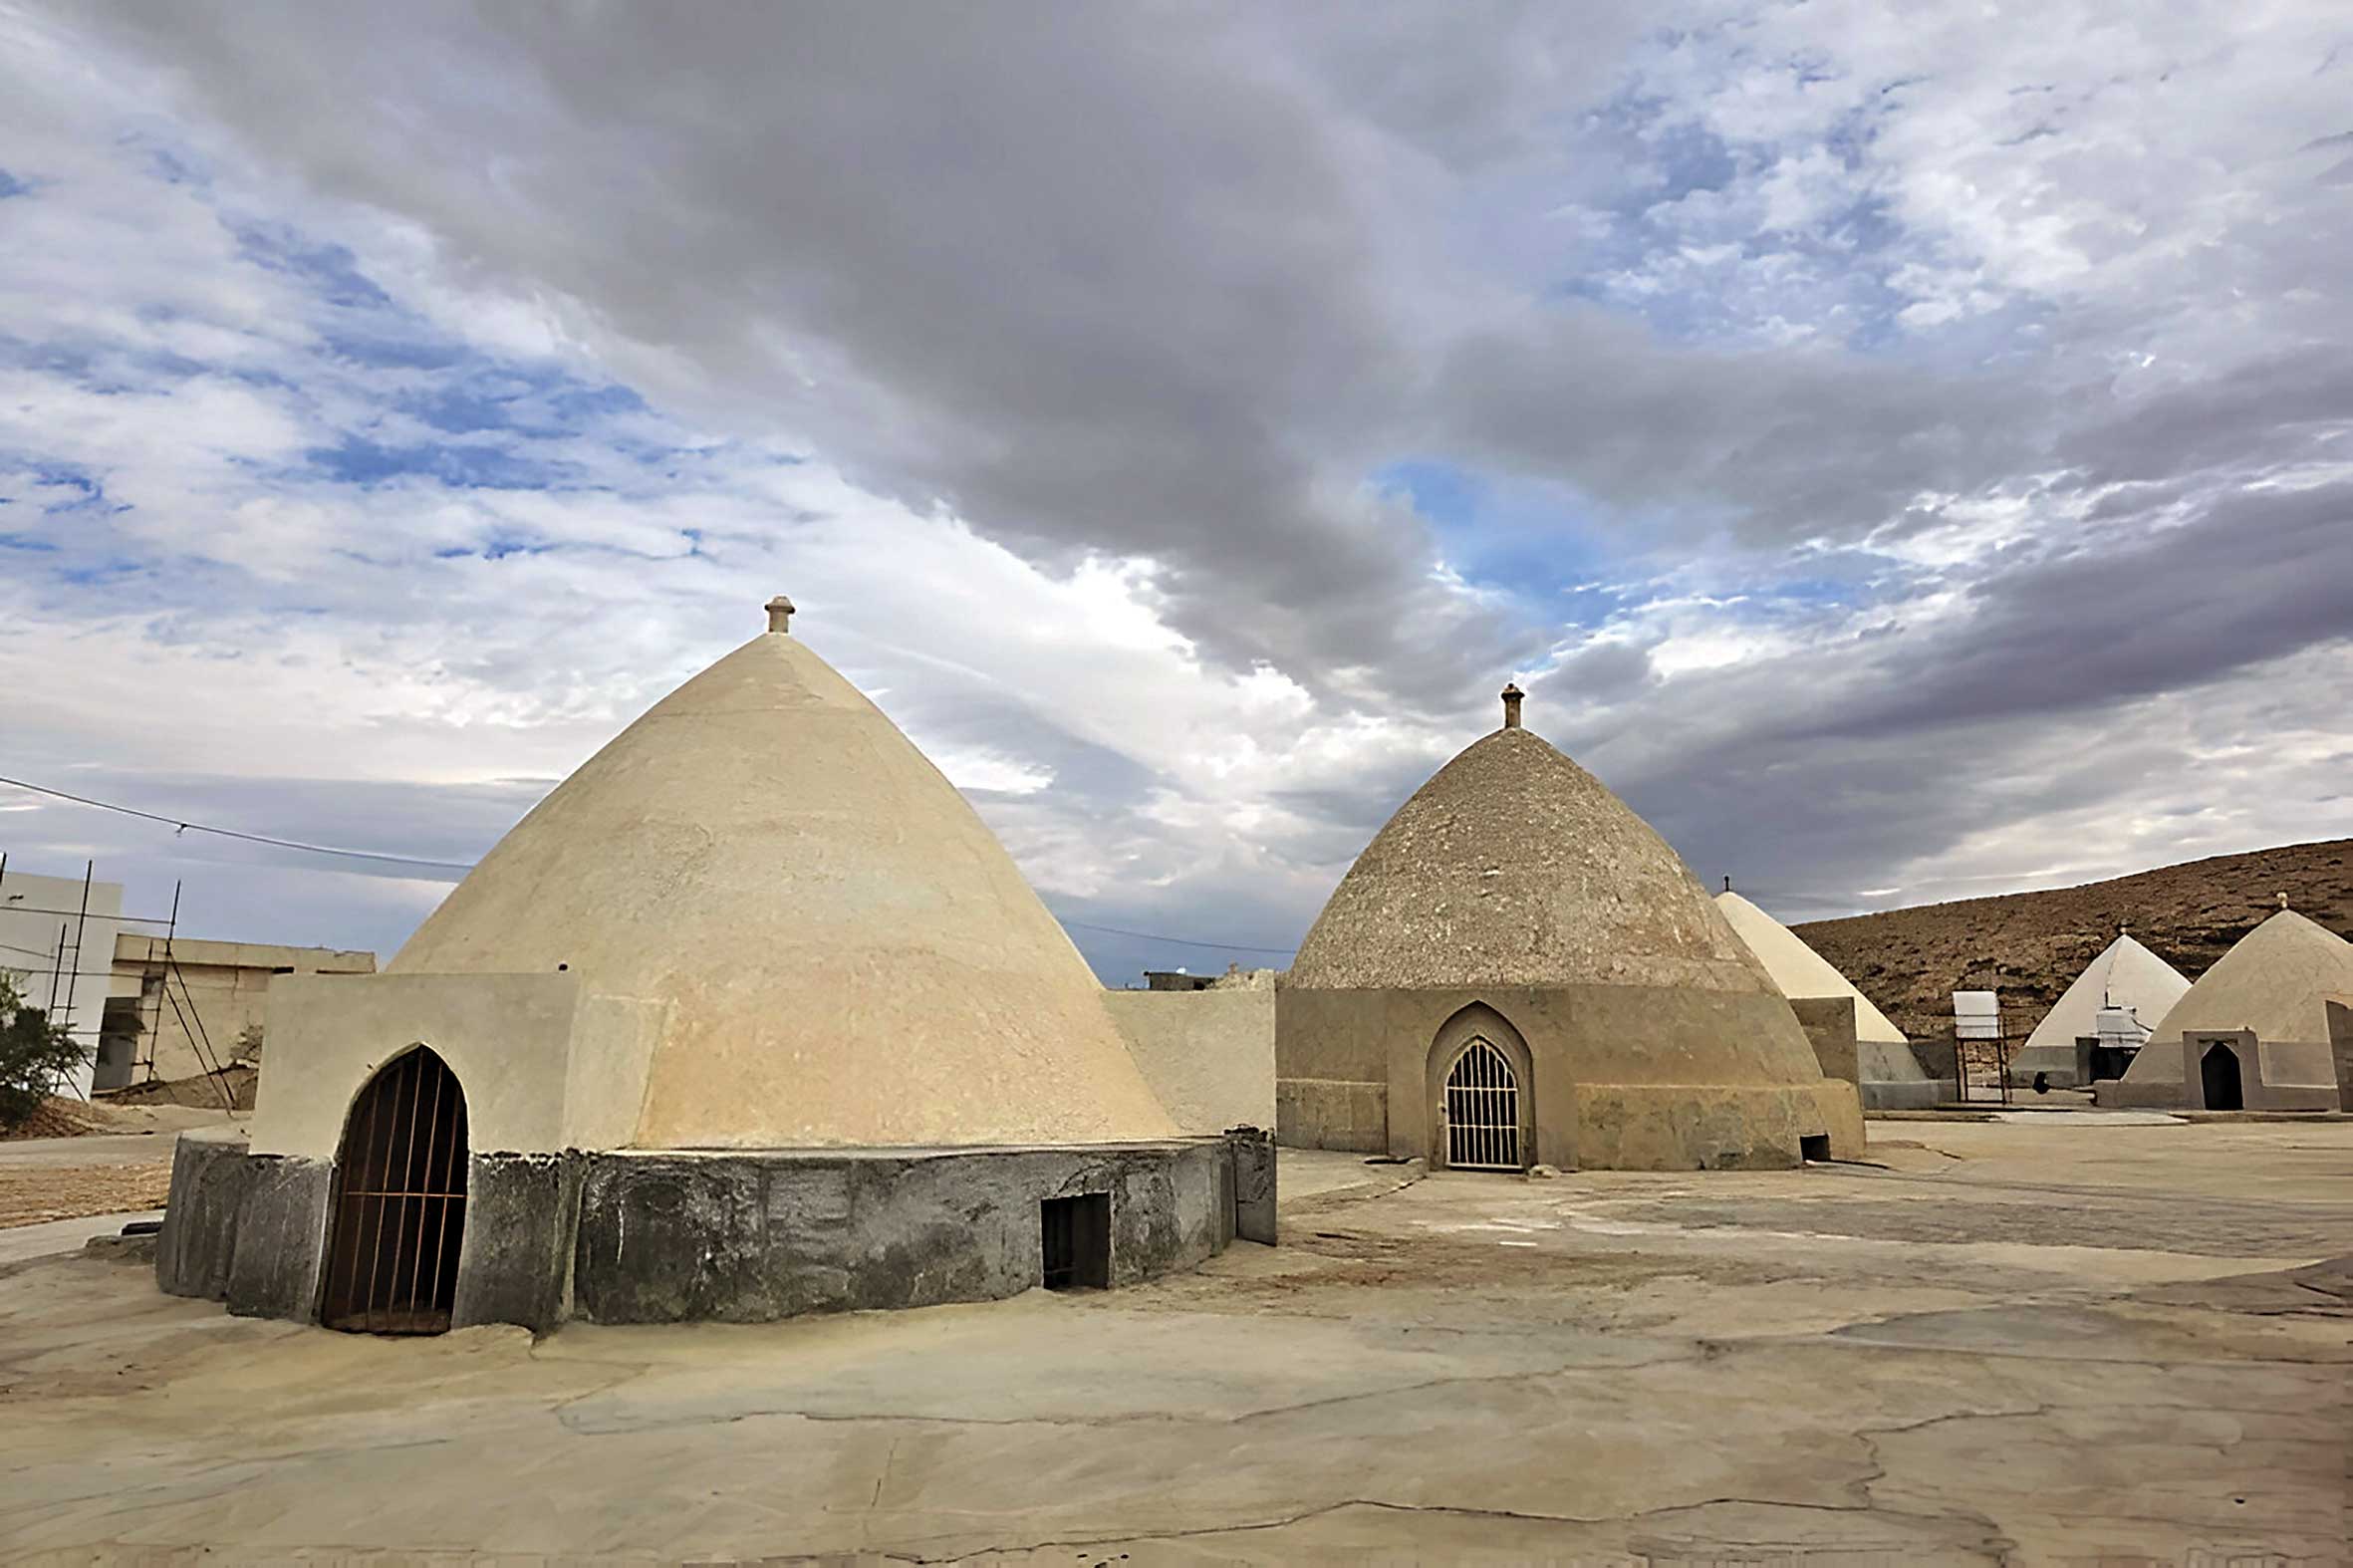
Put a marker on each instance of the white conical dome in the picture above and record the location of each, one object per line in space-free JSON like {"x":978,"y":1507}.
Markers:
{"x":2276,"y":981}
{"x":847,"y":954}
{"x":2124,"y":974}
{"x":1800,"y":971}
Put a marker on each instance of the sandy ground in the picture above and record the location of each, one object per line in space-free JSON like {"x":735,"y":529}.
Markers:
{"x":50,"y":1178}
{"x":2057,"y":1341}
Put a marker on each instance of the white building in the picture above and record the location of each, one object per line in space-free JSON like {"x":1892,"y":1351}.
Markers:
{"x":57,"y":938}
{"x":2125,"y":978}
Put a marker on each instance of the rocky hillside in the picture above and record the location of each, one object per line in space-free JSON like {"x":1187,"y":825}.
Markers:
{"x":2029,"y":947}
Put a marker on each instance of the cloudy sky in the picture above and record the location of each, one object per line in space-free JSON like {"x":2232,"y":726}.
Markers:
{"x":1906,"y":450}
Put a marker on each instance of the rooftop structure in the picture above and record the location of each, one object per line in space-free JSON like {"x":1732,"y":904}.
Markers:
{"x":2273,"y":988}
{"x":1518,"y":969}
{"x":2126,"y":976}
{"x":750,"y":1016}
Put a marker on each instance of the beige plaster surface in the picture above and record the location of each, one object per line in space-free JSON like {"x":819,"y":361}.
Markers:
{"x":845,"y":954}
{"x":1662,"y":1074}
{"x":1207,"y":1055}
{"x":1798,"y":970}
{"x":507,"y":1037}
{"x":2072,"y":1340}
{"x":2276,"y":981}
{"x":1514,"y":866}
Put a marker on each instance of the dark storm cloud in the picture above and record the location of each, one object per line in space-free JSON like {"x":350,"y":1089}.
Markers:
{"x":1792,"y":444}
{"x":2277,"y":408}
{"x":2259,"y":575}
{"x":1097,"y":284}
{"x":1120,"y":283}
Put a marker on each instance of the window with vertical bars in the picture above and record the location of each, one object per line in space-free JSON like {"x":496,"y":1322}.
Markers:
{"x":1482,"y":1111}
{"x":400,"y":1202}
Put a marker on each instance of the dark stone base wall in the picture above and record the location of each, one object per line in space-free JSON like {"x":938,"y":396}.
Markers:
{"x":247,"y":1229}
{"x":755,"y":1237}
{"x":628,"y":1238}
{"x":522,"y":1217}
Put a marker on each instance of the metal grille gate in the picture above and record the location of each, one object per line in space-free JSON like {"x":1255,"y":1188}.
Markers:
{"x":400,"y":1202}
{"x":1482,"y":1111}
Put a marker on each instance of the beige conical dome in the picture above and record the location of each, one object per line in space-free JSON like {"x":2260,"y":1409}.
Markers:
{"x":1799,"y":971}
{"x":1514,"y":866}
{"x":2276,"y":981}
{"x":847,"y":954}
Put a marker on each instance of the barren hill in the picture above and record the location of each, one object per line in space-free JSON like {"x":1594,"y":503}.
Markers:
{"x":2030,"y":945}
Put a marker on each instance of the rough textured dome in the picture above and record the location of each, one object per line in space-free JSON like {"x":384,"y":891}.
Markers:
{"x":2276,"y":980}
{"x":2124,"y":974}
{"x":1514,"y":866}
{"x":847,"y":954}
{"x":1798,"y":970}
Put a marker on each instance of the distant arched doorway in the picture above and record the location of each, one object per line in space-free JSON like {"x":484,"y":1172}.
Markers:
{"x":398,"y":1203}
{"x":1481,"y":1086}
{"x":1482,"y":1111}
{"x":2217,"y":1073}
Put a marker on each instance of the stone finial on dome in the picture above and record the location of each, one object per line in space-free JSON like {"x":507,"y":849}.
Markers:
{"x":1511,"y":695}
{"x":780,"y":614}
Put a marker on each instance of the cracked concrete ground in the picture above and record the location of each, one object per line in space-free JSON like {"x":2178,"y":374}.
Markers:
{"x":2056,"y":1343}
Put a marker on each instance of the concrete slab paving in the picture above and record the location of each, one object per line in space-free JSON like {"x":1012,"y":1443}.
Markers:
{"x":20,"y":1243}
{"x":2015,"y":1344}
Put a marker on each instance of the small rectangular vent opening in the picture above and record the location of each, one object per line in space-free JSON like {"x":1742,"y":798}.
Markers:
{"x":1076,"y":1232}
{"x":1814,"y":1146}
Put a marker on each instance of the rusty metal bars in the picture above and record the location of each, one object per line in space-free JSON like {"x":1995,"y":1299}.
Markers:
{"x":395,"y":1179}
{"x":1482,"y":1111}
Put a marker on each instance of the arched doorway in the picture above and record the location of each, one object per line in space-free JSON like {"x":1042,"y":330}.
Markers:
{"x":2218,"y":1074}
{"x":398,"y":1203}
{"x":1483,"y":1110}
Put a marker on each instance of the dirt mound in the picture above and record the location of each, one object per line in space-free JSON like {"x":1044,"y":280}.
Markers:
{"x":2030,"y":946}
{"x":57,"y":1117}
{"x":203,"y":1091}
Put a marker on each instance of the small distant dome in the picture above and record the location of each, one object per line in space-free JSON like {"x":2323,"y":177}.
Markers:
{"x":1800,"y":972}
{"x":2124,"y":974}
{"x":1514,"y":866}
{"x":2276,"y":981}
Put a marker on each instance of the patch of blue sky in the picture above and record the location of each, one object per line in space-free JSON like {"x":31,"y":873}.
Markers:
{"x":331,"y":271}
{"x":1683,"y":252}
{"x":57,"y":489}
{"x":498,"y":547}
{"x":1538,"y":545}
{"x":401,"y":345}
{"x":65,"y":476}
{"x":461,"y":465}
{"x":98,"y":573}
{"x":173,"y":167}
{"x":483,"y":394}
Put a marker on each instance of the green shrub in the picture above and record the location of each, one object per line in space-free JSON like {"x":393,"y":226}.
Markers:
{"x":35,"y":1055}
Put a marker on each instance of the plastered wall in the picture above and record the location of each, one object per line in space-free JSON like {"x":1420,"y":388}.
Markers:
{"x":1209,"y":1055}
{"x":543,"y":1068}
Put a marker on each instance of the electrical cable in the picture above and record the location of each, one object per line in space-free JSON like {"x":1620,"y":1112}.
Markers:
{"x":178,"y":826}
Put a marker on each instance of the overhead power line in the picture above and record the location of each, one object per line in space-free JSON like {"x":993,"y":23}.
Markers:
{"x":1181,"y":941}
{"x":179,"y":826}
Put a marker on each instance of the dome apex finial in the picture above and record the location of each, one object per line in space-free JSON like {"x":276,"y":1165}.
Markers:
{"x":780,"y":614}
{"x":1511,"y":697}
